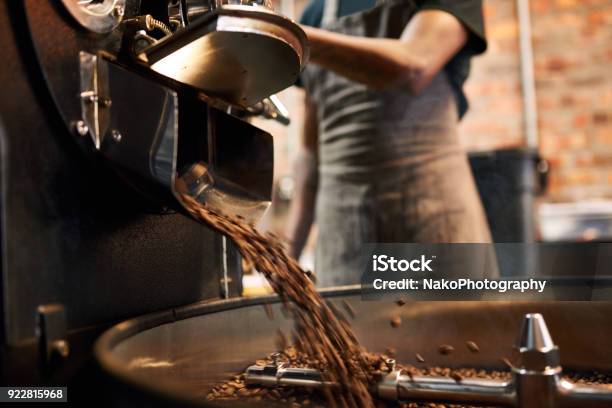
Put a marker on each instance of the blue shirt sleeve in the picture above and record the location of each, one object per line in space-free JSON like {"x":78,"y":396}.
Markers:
{"x":469,"y":13}
{"x":313,"y":13}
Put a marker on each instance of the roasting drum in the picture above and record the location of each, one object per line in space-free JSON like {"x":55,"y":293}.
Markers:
{"x":180,"y":354}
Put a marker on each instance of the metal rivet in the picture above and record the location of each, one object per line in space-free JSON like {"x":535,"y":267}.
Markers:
{"x":61,"y":348}
{"x":275,"y":358}
{"x":118,"y":11}
{"x":81,"y":128}
{"x":117,"y":136}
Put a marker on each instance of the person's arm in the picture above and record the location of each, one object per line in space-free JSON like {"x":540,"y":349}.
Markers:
{"x":301,"y":211}
{"x":429,"y":41}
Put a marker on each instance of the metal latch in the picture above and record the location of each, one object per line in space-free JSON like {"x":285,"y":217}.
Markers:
{"x":95,"y":99}
{"x":51,"y":332}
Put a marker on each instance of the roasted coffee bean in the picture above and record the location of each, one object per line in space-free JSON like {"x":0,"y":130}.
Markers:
{"x":269,"y":311}
{"x":456,"y":376}
{"x":349,"y":309}
{"x":400,"y":302}
{"x":507,"y":362}
{"x":396,"y":322}
{"x":419,"y":358}
{"x":312,"y":276}
{"x":390,"y":351}
{"x":472,"y":346}
{"x":446,"y":349}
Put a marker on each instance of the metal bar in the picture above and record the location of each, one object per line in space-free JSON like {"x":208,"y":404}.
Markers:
{"x":442,"y":389}
{"x":272,"y":375}
{"x":578,"y":396}
{"x":530,"y":109}
{"x":225,"y":280}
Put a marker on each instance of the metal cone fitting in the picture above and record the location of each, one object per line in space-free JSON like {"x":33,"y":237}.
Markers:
{"x":536,"y":349}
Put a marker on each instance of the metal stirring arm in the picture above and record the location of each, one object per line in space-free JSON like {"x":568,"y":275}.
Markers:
{"x":396,"y":387}
{"x":276,"y":375}
{"x":536,"y":381}
{"x":571,"y":395}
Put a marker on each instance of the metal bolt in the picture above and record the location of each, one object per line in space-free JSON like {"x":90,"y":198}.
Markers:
{"x":106,"y":102}
{"x":81,"y":128}
{"x":275,"y":358}
{"x":118,"y":11}
{"x":61,"y":348}
{"x":117,"y":136}
{"x":149,"y":22}
{"x":391,"y":364}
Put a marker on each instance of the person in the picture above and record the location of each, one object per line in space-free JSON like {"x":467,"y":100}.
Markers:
{"x":380,"y":154}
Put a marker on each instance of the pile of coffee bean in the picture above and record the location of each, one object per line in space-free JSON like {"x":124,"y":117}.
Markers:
{"x":322,"y":335}
{"x":589,"y":378}
{"x":236,"y":388}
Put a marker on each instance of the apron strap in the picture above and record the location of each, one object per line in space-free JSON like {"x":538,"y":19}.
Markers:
{"x":330,"y":12}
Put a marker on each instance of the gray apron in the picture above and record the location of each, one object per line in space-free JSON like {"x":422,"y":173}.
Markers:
{"x":391,"y":168}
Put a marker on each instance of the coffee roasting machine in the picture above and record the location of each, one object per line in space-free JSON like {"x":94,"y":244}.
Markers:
{"x":111,"y":110}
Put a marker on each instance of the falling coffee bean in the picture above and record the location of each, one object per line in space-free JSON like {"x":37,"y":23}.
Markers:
{"x":446,"y":349}
{"x":396,"y":322}
{"x":507,"y":362}
{"x":269,"y":310}
{"x":472,"y":346}
{"x":327,"y":343}
{"x":419,"y":358}
{"x":400,"y":302}
{"x":349,"y":309}
{"x":281,"y":340}
{"x":311,"y":276}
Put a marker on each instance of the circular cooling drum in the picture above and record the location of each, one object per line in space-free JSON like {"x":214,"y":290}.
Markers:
{"x":178,"y":356}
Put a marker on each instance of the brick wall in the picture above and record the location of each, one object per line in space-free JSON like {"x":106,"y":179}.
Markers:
{"x":573,"y":57}
{"x":572,"y":43}
{"x":494,"y":87}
